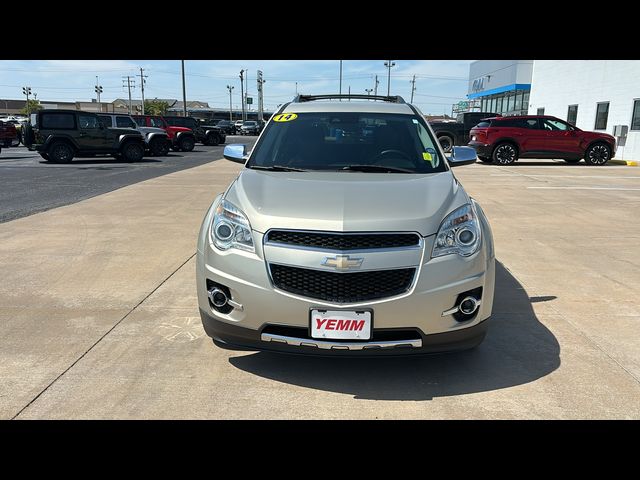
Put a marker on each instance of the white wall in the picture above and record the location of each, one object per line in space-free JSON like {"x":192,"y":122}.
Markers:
{"x":557,"y":84}
{"x":502,"y":72}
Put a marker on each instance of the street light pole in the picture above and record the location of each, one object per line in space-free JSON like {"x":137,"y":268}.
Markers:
{"x":368,"y":90}
{"x":98,"y":90}
{"x":242,"y":91}
{"x":340,"y":78}
{"x":184,"y":92}
{"x":142,"y":82}
{"x":375,"y":86}
{"x":389,"y":64}
{"x":27,"y":91}
{"x":230,"y":88}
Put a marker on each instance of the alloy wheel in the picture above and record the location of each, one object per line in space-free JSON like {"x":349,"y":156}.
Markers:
{"x":505,"y":154}
{"x":599,"y":154}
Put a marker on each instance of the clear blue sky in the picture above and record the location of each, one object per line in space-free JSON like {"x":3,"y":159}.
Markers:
{"x":439,"y":83}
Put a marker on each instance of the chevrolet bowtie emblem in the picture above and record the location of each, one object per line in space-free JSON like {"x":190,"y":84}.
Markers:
{"x":342,"y":262}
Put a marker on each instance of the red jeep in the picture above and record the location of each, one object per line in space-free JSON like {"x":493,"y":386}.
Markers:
{"x":181,"y":138}
{"x":8,"y":134}
{"x":503,"y":140}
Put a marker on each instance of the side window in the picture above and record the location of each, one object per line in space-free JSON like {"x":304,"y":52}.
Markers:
{"x":531,"y":123}
{"x":555,"y":125}
{"x":174,"y":122}
{"x":156,"y":122}
{"x":602,"y":114}
{"x":88,"y":121}
{"x":63,"y":121}
{"x":106,"y":120}
{"x":125,"y":122}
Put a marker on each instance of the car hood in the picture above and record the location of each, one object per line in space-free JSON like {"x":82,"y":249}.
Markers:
{"x":346,"y":201}
{"x":125,"y":131}
{"x":147,"y":130}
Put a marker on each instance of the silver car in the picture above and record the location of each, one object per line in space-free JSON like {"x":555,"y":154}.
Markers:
{"x":346,"y":233}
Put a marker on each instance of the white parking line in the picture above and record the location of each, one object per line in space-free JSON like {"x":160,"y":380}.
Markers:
{"x":586,"y":188}
{"x":562,"y":176}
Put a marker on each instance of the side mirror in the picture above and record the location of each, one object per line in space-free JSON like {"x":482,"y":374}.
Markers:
{"x":462,"y":156}
{"x":236,"y":152}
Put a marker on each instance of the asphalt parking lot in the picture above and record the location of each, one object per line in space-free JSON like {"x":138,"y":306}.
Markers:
{"x":29,"y":184}
{"x":99,"y":318}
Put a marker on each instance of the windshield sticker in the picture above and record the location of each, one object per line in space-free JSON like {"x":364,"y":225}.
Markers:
{"x":285,"y":117}
{"x":429,"y":155}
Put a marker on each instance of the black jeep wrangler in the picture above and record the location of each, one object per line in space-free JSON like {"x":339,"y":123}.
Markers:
{"x":60,"y":135}
{"x":206,"y":134}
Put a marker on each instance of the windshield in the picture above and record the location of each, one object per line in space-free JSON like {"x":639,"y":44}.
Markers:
{"x":249,"y":124}
{"x":348,"y":141}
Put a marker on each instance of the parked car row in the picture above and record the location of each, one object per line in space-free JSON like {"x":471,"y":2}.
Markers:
{"x":503,"y":140}
{"x":61,"y":135}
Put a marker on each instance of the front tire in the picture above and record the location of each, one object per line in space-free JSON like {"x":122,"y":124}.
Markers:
{"x":505,"y":153}
{"x":186,"y":144}
{"x":213,"y":139}
{"x":159,"y":147}
{"x":61,"y":152}
{"x":597,"y":154}
{"x":446,"y":142}
{"x":132,"y":152}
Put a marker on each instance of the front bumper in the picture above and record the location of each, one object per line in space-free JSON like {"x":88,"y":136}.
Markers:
{"x":482,"y":149}
{"x":419,"y":311}
{"x":233,"y":337}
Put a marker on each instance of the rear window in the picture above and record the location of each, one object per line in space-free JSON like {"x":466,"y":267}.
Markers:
{"x":125,"y":122}
{"x":58,"y":121}
{"x":530,"y":123}
{"x":106,"y":120}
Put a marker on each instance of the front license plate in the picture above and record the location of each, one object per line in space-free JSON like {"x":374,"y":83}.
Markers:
{"x":341,"y":324}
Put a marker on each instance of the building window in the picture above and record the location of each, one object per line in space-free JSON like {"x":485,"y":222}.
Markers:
{"x":635,"y":119}
{"x":499,"y":104}
{"x":572,"y":114}
{"x":602,"y":114}
{"x":540,"y":111}
{"x":518,"y":105}
{"x":525,"y":102}
{"x":510,"y":101}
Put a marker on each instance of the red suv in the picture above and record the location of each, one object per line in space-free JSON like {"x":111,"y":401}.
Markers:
{"x":8,"y":134}
{"x":181,"y":138}
{"x":505,"y":139}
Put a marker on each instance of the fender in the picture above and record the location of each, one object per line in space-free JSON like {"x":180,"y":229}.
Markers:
{"x":180,"y":134}
{"x":130,"y":136}
{"x":53,"y":137}
{"x":150,"y":136}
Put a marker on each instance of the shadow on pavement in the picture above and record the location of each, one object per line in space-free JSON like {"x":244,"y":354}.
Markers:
{"x":518,"y":349}
{"x":107,"y":162}
{"x":547,"y":163}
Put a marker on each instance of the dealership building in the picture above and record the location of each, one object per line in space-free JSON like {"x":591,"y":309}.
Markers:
{"x":595,"y":95}
{"x":500,"y":86}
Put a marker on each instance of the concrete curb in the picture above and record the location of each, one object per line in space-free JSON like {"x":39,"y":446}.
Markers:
{"x":629,"y":163}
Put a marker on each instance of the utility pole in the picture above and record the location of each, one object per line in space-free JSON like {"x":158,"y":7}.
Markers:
{"x":349,"y":92}
{"x":389,"y":64}
{"x":375,"y":86}
{"x":296,"y":89}
{"x":98,"y":91}
{"x":340,"y":78}
{"x":142,"y":82}
{"x":260,"y":82}
{"x":242,"y":92}
{"x":413,"y":87}
{"x":230,"y":88}
{"x":129,"y":82}
{"x":184,"y":93}
{"x":27,"y":91}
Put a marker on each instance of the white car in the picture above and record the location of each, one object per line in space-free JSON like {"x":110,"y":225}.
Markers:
{"x":346,"y":233}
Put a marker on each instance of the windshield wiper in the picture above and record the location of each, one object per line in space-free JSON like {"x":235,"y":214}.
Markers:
{"x":277,"y":168}
{"x":376,"y":168}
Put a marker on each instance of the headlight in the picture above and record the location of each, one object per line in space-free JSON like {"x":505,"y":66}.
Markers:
{"x":459,"y":233}
{"x":230,"y":228}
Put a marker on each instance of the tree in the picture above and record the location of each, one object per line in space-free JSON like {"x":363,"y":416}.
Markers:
{"x":33,"y":106}
{"x":155,"y":107}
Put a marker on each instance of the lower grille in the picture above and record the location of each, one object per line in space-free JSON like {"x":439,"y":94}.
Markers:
{"x":342,"y":287}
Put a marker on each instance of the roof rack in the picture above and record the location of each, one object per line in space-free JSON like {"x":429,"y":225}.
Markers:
{"x":384,"y":98}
